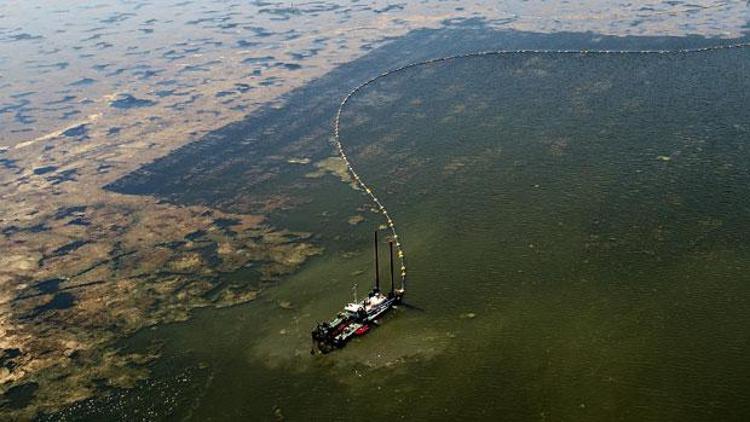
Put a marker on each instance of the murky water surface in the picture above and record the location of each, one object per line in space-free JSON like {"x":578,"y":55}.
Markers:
{"x":575,"y":226}
{"x":576,"y":232}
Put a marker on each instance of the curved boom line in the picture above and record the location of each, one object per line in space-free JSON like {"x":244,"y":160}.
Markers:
{"x":381,"y":208}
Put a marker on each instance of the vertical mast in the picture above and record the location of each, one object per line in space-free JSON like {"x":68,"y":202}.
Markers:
{"x":377,"y":265}
{"x":393,"y":282}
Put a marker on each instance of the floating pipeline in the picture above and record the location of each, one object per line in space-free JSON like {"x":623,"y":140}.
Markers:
{"x":369,"y":191}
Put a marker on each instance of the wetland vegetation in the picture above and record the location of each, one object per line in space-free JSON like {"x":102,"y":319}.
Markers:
{"x":576,"y":230}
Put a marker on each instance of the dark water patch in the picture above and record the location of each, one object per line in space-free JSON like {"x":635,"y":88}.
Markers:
{"x":53,"y":50}
{"x":24,"y":37}
{"x":195,"y":235}
{"x":173,"y":245}
{"x":69,"y":211}
{"x":19,"y":396}
{"x":117,"y":72}
{"x":10,"y":353}
{"x":239,"y":107}
{"x":306,"y":54}
{"x":389,"y":8}
{"x":48,"y":286}
{"x":281,"y":13}
{"x":11,"y":230}
{"x":68,"y":114}
{"x":207,"y":42}
{"x":214,"y":113}
{"x":22,"y":94}
{"x":63,"y":176}
{"x":127,"y":101}
{"x":93,"y":37}
{"x":182,"y":104}
{"x":54,"y":66}
{"x":58,"y":302}
{"x":134,"y":52}
{"x":167,"y":82}
{"x":164,"y":93}
{"x":18,"y":106}
{"x":70,"y":247}
{"x":80,"y":221}
{"x":96,"y":29}
{"x":289,"y":66}
{"x":209,"y":253}
{"x":76,"y":131}
{"x":117,"y":17}
{"x":83,"y":82}
{"x":255,"y":60}
{"x":247,"y":44}
{"x":104,"y":168}
{"x":173,"y":55}
{"x":23,"y":118}
{"x":228,"y":25}
{"x":7,"y":358}
{"x":147,"y":74}
{"x":295,"y":237}
{"x":8,"y":164}
{"x":37,"y":228}
{"x":291,"y":35}
{"x":501,"y":21}
{"x":225,"y":224}
{"x":213,"y":19}
{"x":203,"y":67}
{"x":259,"y":31}
{"x":64,"y":100}
{"x":44,"y":170}
{"x":315,"y":8}
{"x":243,"y":88}
{"x":270,"y":81}
{"x":189,"y":50}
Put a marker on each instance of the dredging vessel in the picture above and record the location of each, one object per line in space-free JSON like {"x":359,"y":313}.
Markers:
{"x":358,"y":316}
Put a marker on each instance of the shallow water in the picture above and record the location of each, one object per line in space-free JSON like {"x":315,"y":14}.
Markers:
{"x":576,"y":233}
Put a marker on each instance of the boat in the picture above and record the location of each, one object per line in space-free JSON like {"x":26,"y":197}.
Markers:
{"x":358,"y":317}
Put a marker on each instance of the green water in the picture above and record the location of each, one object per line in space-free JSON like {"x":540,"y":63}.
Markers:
{"x":575,"y":229}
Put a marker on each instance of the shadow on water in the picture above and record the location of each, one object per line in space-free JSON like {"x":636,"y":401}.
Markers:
{"x":575,"y":226}
{"x":19,"y":396}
